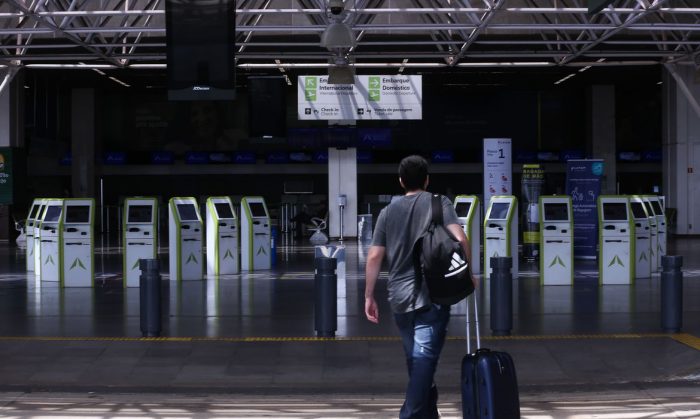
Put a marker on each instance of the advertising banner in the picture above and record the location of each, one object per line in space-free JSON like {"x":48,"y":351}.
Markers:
{"x":531,"y":187}
{"x":498,"y":168}
{"x":371,"y":97}
{"x":583,"y":181}
{"x":6,"y":193}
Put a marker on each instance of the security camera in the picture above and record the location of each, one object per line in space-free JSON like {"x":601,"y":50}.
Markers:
{"x":336,"y":6}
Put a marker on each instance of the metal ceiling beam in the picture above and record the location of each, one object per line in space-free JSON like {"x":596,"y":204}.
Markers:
{"x":60,"y":32}
{"x":626,"y":25}
{"x":485,"y":20}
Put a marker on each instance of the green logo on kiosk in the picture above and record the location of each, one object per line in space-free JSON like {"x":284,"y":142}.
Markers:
{"x":616,"y":260}
{"x":49,"y":259}
{"x":228,"y":254}
{"x":261,"y":250}
{"x":557,"y":260}
{"x":191,"y":258}
{"x":643,"y":256}
{"x":77,"y":263}
{"x":136,"y":265}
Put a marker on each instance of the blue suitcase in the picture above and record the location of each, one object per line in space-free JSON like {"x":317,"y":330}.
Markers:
{"x":489,"y":383}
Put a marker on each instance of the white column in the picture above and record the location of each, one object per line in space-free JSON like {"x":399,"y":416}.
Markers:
{"x":601,"y":133}
{"x":681,"y":146}
{"x":342,"y":179}
{"x":83,"y":142}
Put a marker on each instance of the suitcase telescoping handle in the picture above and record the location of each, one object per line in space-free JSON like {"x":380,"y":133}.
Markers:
{"x":476,"y":323}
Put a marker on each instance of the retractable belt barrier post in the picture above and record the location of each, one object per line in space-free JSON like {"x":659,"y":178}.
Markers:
{"x":671,"y":294}
{"x":501,"y":296}
{"x":150,"y":297}
{"x":325,"y":293}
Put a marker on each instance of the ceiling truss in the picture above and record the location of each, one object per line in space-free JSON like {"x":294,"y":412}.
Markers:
{"x":424,"y":33}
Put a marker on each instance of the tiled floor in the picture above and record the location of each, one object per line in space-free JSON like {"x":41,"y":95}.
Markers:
{"x":86,"y":342}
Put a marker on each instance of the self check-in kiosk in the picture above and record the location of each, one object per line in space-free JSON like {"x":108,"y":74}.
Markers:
{"x":660,"y":228}
{"x":468,"y":214}
{"x":77,"y":248}
{"x":140,"y":236}
{"x":255,"y":234}
{"x":616,"y":240}
{"x":29,"y":228}
{"x":222,"y":237}
{"x":654,"y":234}
{"x":186,"y":240}
{"x":556,"y":240}
{"x":37,"y":238}
{"x":642,"y":238}
{"x":50,"y":241}
{"x":501,"y":231}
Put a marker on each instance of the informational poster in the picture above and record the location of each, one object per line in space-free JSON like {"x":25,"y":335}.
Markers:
{"x":498,"y":168}
{"x":6,"y":195}
{"x":371,"y":97}
{"x":583,"y":181}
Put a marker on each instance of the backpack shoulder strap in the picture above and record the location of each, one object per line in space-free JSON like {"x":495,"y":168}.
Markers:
{"x":436,"y":209}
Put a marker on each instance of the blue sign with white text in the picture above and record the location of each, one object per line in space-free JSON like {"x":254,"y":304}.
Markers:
{"x":583,"y":181}
{"x":117,"y":158}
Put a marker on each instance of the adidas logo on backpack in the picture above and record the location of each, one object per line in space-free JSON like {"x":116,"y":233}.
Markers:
{"x":457,"y":266}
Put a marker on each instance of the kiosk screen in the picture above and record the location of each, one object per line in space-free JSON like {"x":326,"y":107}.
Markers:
{"x":257,"y":209}
{"x":77,"y":214}
{"x":224,"y":210}
{"x":657,"y":207}
{"x":462,"y":209}
{"x":32,"y":212}
{"x":187,"y":212}
{"x":556,"y":212}
{"x":499,"y":211}
{"x":615,"y":211}
{"x":53,"y":213}
{"x":140,"y":214}
{"x":638,"y":210}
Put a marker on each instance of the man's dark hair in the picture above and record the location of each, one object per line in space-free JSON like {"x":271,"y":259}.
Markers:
{"x":413,"y":171}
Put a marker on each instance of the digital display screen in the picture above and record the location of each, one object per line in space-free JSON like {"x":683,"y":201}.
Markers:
{"x":615,"y":211}
{"x":657,"y":207}
{"x":33,"y":211}
{"x":556,"y":212}
{"x":257,"y":209}
{"x":638,"y":210}
{"x":53,"y":213}
{"x":224,"y":210}
{"x":77,"y":214}
{"x":499,"y":211}
{"x":187,"y":212}
{"x":462,"y":209}
{"x":140,"y":214}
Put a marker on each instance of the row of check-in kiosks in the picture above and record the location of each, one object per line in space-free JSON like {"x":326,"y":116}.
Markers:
{"x":631,"y":229}
{"x":60,"y":238}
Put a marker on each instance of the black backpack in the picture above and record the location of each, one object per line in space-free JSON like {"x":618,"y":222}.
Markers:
{"x":439,"y":260}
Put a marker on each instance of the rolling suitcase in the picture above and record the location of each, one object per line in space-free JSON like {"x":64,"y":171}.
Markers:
{"x":489,"y":384}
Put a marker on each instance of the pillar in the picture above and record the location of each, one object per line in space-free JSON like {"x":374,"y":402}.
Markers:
{"x":83,"y":143}
{"x":681,"y":146}
{"x":342,"y":179}
{"x":11,"y":136}
{"x":601,"y":132}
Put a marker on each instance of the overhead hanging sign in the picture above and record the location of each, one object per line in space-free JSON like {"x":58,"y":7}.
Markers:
{"x":371,"y":97}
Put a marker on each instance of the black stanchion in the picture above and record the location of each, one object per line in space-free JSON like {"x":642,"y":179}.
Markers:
{"x":149,"y":283}
{"x":671,"y":293}
{"x":325,"y":302}
{"x":501,"y":296}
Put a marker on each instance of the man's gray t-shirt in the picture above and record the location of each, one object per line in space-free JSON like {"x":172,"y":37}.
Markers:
{"x":398,"y":227}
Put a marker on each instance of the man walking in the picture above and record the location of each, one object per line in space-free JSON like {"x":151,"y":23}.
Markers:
{"x":422,"y":324}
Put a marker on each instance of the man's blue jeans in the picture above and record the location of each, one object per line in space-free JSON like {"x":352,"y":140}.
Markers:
{"x":423,"y":335}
